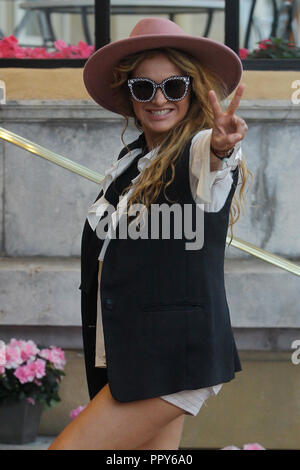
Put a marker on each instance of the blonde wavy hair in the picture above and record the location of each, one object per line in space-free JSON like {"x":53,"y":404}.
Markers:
{"x":198,"y":117}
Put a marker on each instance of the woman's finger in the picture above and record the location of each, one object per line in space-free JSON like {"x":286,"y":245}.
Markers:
{"x":236,"y":99}
{"x":216,"y":107}
{"x":241,"y":127}
{"x":228,"y":140}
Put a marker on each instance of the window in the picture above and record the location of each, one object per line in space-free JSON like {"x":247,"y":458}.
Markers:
{"x":270,"y":34}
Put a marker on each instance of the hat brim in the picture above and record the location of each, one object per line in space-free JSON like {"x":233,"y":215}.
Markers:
{"x":97,"y":73}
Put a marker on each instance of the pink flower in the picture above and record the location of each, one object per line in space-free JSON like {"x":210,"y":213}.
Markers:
{"x":30,"y":400}
{"x":24,"y":374}
{"x":2,"y":370}
{"x":243,"y":53}
{"x":2,"y":354}
{"x":84,"y":49}
{"x":254,"y":446}
{"x":76,"y":411}
{"x":9,"y":48}
{"x":31,"y":371}
{"x":11,"y":40}
{"x":38,"y":53}
{"x":39,"y":368}
{"x":13,"y":357}
{"x":28,"y":348}
{"x":60,"y":45}
{"x":54,"y":355}
{"x":264,"y":43}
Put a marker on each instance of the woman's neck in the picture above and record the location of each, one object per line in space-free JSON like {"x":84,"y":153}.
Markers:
{"x":153,"y":141}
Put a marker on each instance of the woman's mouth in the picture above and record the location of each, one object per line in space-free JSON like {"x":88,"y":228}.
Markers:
{"x":159,"y":113}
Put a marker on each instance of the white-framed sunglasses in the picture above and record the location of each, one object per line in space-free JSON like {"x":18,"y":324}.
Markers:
{"x":174,"y":88}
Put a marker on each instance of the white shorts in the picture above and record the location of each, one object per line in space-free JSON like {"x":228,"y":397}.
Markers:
{"x":192,"y":400}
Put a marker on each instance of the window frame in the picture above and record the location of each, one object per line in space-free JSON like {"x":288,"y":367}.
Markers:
{"x":102,"y":37}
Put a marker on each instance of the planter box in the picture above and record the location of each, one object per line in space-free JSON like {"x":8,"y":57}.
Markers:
{"x":19,"y":422}
{"x":271,"y":64}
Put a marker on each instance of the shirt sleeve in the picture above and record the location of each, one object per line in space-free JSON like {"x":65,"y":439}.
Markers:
{"x":96,"y":211}
{"x":210,"y":188}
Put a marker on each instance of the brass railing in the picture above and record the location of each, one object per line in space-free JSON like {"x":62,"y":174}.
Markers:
{"x":97,"y":178}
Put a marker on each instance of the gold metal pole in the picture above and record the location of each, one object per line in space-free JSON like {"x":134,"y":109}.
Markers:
{"x":51,"y":156}
{"x":265,"y":255}
{"x":97,"y":178}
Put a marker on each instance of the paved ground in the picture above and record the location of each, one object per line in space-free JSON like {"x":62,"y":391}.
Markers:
{"x":41,"y":443}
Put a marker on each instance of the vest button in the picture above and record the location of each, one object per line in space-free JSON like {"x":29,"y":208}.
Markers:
{"x":108,"y":304}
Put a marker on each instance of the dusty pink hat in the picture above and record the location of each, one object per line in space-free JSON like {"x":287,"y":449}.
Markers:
{"x":154,"y":33}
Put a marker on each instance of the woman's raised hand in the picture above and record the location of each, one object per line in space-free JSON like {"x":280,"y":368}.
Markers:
{"x":228,"y":128}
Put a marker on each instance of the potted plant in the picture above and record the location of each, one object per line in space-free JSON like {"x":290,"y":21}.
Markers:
{"x":270,"y":54}
{"x":273,"y":48}
{"x":29,"y":382}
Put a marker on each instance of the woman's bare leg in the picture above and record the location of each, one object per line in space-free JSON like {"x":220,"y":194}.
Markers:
{"x":168,"y":438}
{"x":109,"y":424}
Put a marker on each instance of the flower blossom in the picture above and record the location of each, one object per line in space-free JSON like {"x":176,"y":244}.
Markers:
{"x":28,"y":348}
{"x":13,"y":356}
{"x":76,"y":411}
{"x":31,"y":370}
{"x":30,"y":400}
{"x":54,"y":355}
{"x":243,"y":53}
{"x":9,"y":48}
{"x":2,"y":353}
{"x":265,"y":43}
{"x":252,"y":446}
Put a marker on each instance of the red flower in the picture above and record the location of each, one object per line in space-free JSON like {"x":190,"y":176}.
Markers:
{"x":243,"y":53}
{"x":265,"y":43}
{"x":9,"y":48}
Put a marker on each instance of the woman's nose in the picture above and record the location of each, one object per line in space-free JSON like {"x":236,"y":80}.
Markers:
{"x":159,"y":97}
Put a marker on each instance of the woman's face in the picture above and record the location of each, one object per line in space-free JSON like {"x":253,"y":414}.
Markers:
{"x":158,"y":68}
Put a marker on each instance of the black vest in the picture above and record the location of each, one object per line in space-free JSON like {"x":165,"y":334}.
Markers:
{"x":165,"y":315}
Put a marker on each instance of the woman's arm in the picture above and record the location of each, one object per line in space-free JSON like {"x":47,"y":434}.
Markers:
{"x":210,"y":185}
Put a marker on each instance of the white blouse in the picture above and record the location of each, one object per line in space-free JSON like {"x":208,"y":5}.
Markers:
{"x":210,"y":188}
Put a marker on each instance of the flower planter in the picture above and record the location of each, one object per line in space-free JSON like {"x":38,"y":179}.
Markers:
{"x":29,"y":380}
{"x":19,"y":422}
{"x":271,"y":64}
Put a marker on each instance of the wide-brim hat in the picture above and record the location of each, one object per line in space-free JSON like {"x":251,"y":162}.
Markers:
{"x":157,"y":33}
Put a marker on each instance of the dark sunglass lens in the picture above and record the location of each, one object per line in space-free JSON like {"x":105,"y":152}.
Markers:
{"x":175,"y":88}
{"x":142,"y":90}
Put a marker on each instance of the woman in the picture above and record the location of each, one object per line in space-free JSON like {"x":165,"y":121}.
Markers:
{"x":166,"y":334}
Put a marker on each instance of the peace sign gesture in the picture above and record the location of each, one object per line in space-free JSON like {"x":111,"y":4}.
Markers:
{"x":228,"y":129}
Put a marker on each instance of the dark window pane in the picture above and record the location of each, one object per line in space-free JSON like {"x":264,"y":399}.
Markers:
{"x":196,"y":17}
{"x":261,"y":20}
